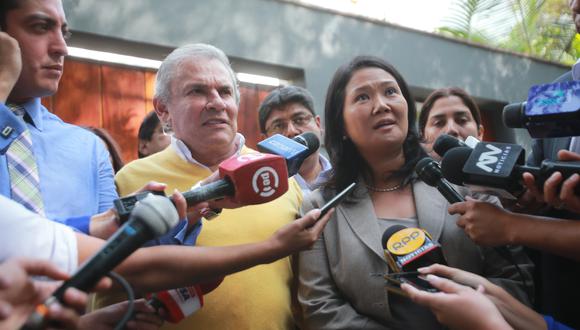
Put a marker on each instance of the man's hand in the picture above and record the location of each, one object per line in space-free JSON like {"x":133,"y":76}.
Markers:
{"x":10,"y":65}
{"x":20,"y":294}
{"x":105,"y":224}
{"x":300,"y":234}
{"x":144,"y":317}
{"x":458,"y":306}
{"x":486,"y":224}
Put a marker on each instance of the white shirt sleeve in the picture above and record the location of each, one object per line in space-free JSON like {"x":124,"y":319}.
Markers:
{"x":27,"y":234}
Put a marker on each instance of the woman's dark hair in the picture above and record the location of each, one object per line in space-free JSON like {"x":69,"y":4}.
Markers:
{"x":446,"y":92}
{"x":348,"y":164}
{"x":112,"y":146}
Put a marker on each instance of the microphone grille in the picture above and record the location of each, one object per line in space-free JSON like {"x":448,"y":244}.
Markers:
{"x":389,"y":232}
{"x":453,"y":162}
{"x":308,"y":139}
{"x":428,"y":171}
{"x":446,"y":142}
{"x":156,"y":212}
{"x":513,"y":115}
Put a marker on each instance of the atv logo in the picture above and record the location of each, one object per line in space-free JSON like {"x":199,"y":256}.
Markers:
{"x":488,"y":158}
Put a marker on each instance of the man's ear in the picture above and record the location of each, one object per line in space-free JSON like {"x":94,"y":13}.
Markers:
{"x":317,"y":121}
{"x":480,"y":132}
{"x":161,"y":110}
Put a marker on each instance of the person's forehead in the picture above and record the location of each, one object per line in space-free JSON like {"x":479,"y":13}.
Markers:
{"x":202,"y":71}
{"x":289,"y":109}
{"x":52,"y":9}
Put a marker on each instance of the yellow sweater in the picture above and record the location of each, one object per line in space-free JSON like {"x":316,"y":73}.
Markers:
{"x":257,"y":298}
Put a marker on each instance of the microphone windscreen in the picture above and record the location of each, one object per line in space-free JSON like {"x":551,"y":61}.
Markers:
{"x":308,"y":139}
{"x":157,"y":213}
{"x":428,"y":171}
{"x":389,"y":232}
{"x":445,"y":143}
{"x":513,"y":115}
{"x":452,"y":164}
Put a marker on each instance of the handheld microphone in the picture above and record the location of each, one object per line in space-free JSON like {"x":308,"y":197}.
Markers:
{"x":407,"y":249}
{"x":551,"y":110}
{"x":152,"y":217}
{"x":247,"y":179}
{"x":294,"y":150}
{"x":429,"y":171}
{"x":497,"y":168}
{"x":445,"y":142}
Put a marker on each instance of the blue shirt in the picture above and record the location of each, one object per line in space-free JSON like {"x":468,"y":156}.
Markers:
{"x":322,"y":177}
{"x":76,"y":176}
{"x":552,"y":324}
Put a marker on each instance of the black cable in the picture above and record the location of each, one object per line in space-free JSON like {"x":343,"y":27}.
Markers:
{"x":506,"y":253}
{"x":130,"y":298}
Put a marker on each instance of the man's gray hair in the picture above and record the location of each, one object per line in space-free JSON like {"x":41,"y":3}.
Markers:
{"x":172,"y":63}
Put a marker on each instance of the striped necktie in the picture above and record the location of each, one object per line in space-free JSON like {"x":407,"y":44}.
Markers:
{"x":24,"y":180}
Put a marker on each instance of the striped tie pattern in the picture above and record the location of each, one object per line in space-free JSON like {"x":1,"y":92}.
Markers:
{"x":24,"y":180}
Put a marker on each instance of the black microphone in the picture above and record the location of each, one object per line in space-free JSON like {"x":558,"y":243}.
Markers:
{"x":551,"y":110}
{"x":407,"y":249}
{"x":445,"y":142}
{"x":428,"y":170}
{"x":497,"y":168}
{"x":153,"y":216}
{"x":294,"y":150}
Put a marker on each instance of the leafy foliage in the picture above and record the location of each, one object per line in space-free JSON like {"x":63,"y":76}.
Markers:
{"x":541,"y":28}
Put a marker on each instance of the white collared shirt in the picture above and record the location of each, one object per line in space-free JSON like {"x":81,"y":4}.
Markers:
{"x":183,"y":151}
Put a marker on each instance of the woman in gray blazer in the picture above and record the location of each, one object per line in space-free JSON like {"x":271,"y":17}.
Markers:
{"x":372,"y":140}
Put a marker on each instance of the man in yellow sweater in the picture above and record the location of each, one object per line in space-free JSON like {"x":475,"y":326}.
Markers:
{"x":197,"y":97}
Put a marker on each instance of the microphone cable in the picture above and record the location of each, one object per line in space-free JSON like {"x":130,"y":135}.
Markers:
{"x":130,"y":298}
{"x":506,"y":253}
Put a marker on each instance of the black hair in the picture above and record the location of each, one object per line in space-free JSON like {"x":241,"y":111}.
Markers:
{"x":147,"y":128}
{"x":5,"y":7}
{"x":281,"y":96}
{"x":348,"y":164}
{"x":446,"y":92}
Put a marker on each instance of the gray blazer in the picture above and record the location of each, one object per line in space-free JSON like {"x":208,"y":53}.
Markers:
{"x":337,"y":289}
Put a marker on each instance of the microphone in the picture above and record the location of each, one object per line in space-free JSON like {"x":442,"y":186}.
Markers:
{"x":247,"y":179}
{"x":497,"y":168}
{"x":294,"y":150}
{"x":153,"y":216}
{"x":428,"y":170}
{"x":445,"y":142}
{"x":182,"y":302}
{"x":407,"y":249}
{"x":551,"y":110}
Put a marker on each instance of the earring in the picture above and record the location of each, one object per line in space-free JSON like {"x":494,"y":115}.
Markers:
{"x":344,"y":138}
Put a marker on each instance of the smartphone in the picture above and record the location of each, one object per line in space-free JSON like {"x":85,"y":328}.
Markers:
{"x":414,"y":279}
{"x":336,"y":199}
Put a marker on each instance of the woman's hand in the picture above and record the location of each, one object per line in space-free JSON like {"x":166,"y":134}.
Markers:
{"x":458,"y":306}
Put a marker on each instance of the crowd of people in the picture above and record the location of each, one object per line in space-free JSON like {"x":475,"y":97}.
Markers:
{"x":280,"y":264}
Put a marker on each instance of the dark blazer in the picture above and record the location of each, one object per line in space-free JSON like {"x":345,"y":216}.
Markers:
{"x":336,"y":288}
{"x":559,"y":288}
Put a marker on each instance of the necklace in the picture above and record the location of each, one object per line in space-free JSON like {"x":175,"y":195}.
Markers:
{"x":393,"y":188}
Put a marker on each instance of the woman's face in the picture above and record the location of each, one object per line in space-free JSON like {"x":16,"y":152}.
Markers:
{"x":449,"y":115}
{"x":375,"y":111}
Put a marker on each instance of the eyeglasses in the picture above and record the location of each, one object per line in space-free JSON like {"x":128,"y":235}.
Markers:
{"x":281,"y":126}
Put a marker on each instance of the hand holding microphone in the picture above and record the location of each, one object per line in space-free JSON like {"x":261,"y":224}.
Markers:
{"x":152,"y":217}
{"x":246,"y":179}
